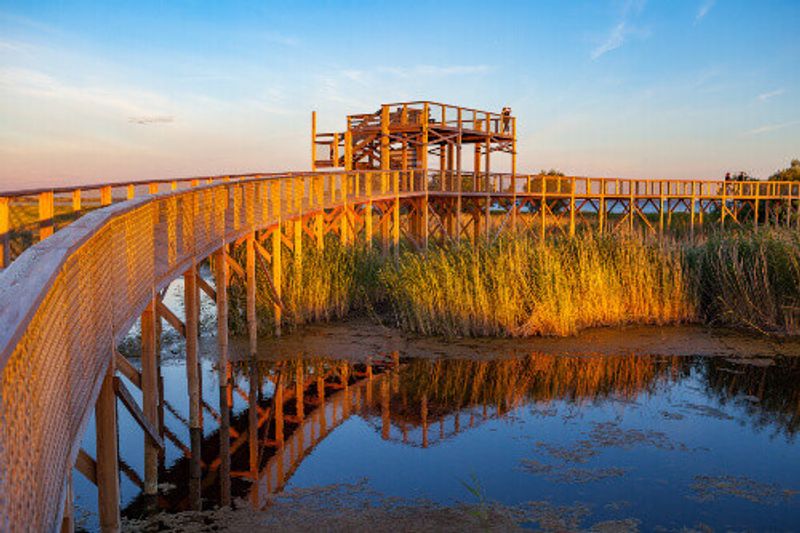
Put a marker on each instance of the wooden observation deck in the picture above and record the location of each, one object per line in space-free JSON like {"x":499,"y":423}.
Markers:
{"x":416,"y":135}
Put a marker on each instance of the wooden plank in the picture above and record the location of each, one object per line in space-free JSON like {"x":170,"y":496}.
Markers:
{"x":165,"y":313}
{"x":206,"y":288}
{"x":127,"y":369}
{"x":129,"y":402}
{"x":237,"y":269}
{"x":86,"y":465}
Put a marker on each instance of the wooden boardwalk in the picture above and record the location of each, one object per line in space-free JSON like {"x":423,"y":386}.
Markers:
{"x":68,"y":297}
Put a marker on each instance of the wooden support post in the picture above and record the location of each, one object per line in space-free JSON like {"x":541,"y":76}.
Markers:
{"x":396,"y":214}
{"x":756,"y":205}
{"x":221,"y":282}
{"x":46,"y":213}
{"x":459,"y":179}
{"x":661,"y":208}
{"x":130,"y":192}
{"x":107,"y":458}
{"x":68,"y":519}
{"x":693,"y":209}
{"x":297,"y":247}
{"x":313,"y":141}
{"x":252,"y":319}
{"x":601,"y":213}
{"x":190,"y":298}
{"x":348,"y":150}
{"x":544,"y":207}
{"x":150,"y":397}
{"x":514,"y":174}
{"x":277,"y":275}
{"x":385,"y":154}
{"x":5,"y":230}
{"x":368,"y":210}
{"x":572,"y":213}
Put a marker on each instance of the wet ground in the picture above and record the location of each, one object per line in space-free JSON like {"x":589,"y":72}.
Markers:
{"x":651,"y":429}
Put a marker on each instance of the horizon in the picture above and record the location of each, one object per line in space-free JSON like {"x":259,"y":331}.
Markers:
{"x":631,"y":89}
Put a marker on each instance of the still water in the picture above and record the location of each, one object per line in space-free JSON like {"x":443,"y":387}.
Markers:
{"x":540,"y":440}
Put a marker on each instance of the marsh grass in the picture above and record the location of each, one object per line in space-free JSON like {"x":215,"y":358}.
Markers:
{"x":329,"y":284}
{"x":748,"y":279}
{"x":518,"y":286}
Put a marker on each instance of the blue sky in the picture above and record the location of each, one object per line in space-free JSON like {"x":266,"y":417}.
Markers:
{"x":123,"y":90}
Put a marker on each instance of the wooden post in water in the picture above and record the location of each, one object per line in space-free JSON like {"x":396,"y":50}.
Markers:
{"x":106,"y":450}
{"x":221,"y":289}
{"x":150,"y":396}
{"x":190,"y":298}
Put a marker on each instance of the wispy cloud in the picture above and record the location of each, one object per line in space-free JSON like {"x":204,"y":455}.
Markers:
{"x":763,"y":97}
{"x":618,"y":34}
{"x":146,"y":121}
{"x":772,"y":127}
{"x":614,"y":40}
{"x":703,"y":10}
{"x":37,"y":84}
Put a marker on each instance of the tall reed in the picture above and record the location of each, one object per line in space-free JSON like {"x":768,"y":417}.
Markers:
{"x":518,"y":286}
{"x":748,"y":279}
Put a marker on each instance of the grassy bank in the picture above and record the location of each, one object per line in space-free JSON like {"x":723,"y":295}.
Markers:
{"x":520,"y":287}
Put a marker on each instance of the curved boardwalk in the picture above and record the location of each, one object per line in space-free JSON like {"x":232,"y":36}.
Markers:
{"x":67,"y":301}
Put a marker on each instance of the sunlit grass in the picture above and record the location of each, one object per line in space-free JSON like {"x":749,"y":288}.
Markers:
{"x":518,"y":286}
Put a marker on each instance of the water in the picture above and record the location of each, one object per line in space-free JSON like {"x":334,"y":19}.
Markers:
{"x":551,"y":440}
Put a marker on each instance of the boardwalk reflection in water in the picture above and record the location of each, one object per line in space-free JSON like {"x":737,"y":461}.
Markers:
{"x":616,"y":433}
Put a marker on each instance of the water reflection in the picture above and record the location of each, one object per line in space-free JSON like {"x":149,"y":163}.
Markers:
{"x":275,"y":413}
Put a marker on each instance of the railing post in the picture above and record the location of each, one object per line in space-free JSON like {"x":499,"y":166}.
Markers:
{"x":106,"y":450}
{"x":250,"y":267}
{"x":46,"y":213}
{"x":76,"y":200}
{"x":105,"y":195}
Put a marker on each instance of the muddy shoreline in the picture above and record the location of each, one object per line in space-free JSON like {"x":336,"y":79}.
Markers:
{"x":362,"y":338}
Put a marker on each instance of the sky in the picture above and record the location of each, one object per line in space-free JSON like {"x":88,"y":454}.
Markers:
{"x":110,"y":91}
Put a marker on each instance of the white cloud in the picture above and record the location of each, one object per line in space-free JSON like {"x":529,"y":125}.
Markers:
{"x":614,"y":40}
{"x":703,"y":10}
{"x":37,"y":84}
{"x":763,"y":97}
{"x":772,"y":127}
